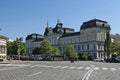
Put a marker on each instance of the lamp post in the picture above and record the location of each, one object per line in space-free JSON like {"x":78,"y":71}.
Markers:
{"x":18,"y":49}
{"x":100,"y":40}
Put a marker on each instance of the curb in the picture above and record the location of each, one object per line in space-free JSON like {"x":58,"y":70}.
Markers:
{"x":14,"y":62}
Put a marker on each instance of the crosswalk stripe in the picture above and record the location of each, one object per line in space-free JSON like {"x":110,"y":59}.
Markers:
{"x":56,"y":67}
{"x":65,"y":67}
{"x":43,"y":66}
{"x":34,"y":65}
{"x":79,"y":67}
{"x":87,"y":68}
{"x":104,"y":68}
{"x":113,"y":69}
{"x":72,"y":67}
{"x":96,"y":68}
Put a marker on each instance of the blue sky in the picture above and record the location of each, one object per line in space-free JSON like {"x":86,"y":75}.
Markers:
{"x":18,"y":18}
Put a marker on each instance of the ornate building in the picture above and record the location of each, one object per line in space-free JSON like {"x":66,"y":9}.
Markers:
{"x":33,"y":41}
{"x":3,"y":47}
{"x":89,"y":40}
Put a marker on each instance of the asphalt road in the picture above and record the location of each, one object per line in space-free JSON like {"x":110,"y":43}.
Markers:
{"x":61,"y":70}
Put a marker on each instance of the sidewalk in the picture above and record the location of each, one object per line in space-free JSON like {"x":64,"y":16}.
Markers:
{"x":13,"y":62}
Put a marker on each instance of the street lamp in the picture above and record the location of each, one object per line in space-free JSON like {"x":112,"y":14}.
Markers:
{"x":100,"y":40}
{"x":18,"y":49}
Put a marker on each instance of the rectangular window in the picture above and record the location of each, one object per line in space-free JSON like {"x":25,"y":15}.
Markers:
{"x":82,"y":47}
{"x":79,"y":47}
{"x":88,"y":47}
{"x":94,"y":46}
{"x":98,"y":46}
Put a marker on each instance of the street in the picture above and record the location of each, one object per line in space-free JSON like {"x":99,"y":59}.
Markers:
{"x":60,"y":70}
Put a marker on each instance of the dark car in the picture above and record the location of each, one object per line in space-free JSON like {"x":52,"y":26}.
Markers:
{"x":112,"y":60}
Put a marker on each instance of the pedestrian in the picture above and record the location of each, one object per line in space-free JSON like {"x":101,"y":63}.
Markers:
{"x":72,"y":60}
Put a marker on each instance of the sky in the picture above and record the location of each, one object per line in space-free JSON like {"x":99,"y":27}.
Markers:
{"x":19,"y":18}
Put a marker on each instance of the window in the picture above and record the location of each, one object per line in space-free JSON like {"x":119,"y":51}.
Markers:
{"x":98,"y":46}
{"x":82,"y":47}
{"x":94,"y":55}
{"x":79,"y":47}
{"x":94,"y":46}
{"x":88,"y":47}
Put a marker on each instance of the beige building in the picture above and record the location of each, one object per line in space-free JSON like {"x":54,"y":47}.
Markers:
{"x":3,"y":47}
{"x":33,"y":41}
{"x":88,"y":40}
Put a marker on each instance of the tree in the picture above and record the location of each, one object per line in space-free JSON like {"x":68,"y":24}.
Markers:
{"x":70,"y":52}
{"x":12,"y":47}
{"x":46,"y":48}
{"x":107,"y":44}
{"x":115,"y":46}
{"x":55,"y":50}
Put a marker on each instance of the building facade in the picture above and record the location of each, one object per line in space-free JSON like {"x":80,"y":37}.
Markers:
{"x":33,"y":41}
{"x":3,"y":47}
{"x":89,"y":40}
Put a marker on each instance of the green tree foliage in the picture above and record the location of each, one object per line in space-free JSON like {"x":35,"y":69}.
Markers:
{"x":55,"y":51}
{"x":12,"y":47}
{"x":70,"y":52}
{"x":115,"y":46}
{"x":46,"y":48}
{"x":107,"y":44}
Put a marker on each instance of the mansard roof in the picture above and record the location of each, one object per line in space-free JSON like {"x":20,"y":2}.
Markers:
{"x":95,"y":23}
{"x":34,"y":36}
{"x":40,"y":39}
{"x":70,"y":34}
{"x":4,"y":37}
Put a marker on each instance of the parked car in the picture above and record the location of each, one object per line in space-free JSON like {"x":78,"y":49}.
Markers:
{"x":112,"y":59}
{"x":97,"y":60}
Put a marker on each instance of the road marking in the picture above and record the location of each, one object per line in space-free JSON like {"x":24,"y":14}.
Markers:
{"x":34,"y":65}
{"x":87,"y":75}
{"x":96,"y":68}
{"x":48,"y":66}
{"x":14,"y":65}
{"x":65,"y":67}
{"x":87,"y":68}
{"x":7,"y":68}
{"x":79,"y":67}
{"x":6,"y":64}
{"x":34,"y":74}
{"x":113,"y":69}
{"x":72,"y":67}
{"x":10,"y":68}
{"x":87,"y":78}
{"x":43,"y":66}
{"x":104,"y":68}
{"x":56,"y":67}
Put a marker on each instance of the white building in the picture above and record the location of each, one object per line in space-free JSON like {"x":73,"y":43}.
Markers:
{"x":3,"y":47}
{"x":89,"y":40}
{"x":33,"y":41}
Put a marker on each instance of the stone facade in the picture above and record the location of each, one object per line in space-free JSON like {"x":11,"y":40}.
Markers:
{"x":33,"y":41}
{"x":3,"y":47}
{"x":89,"y":40}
